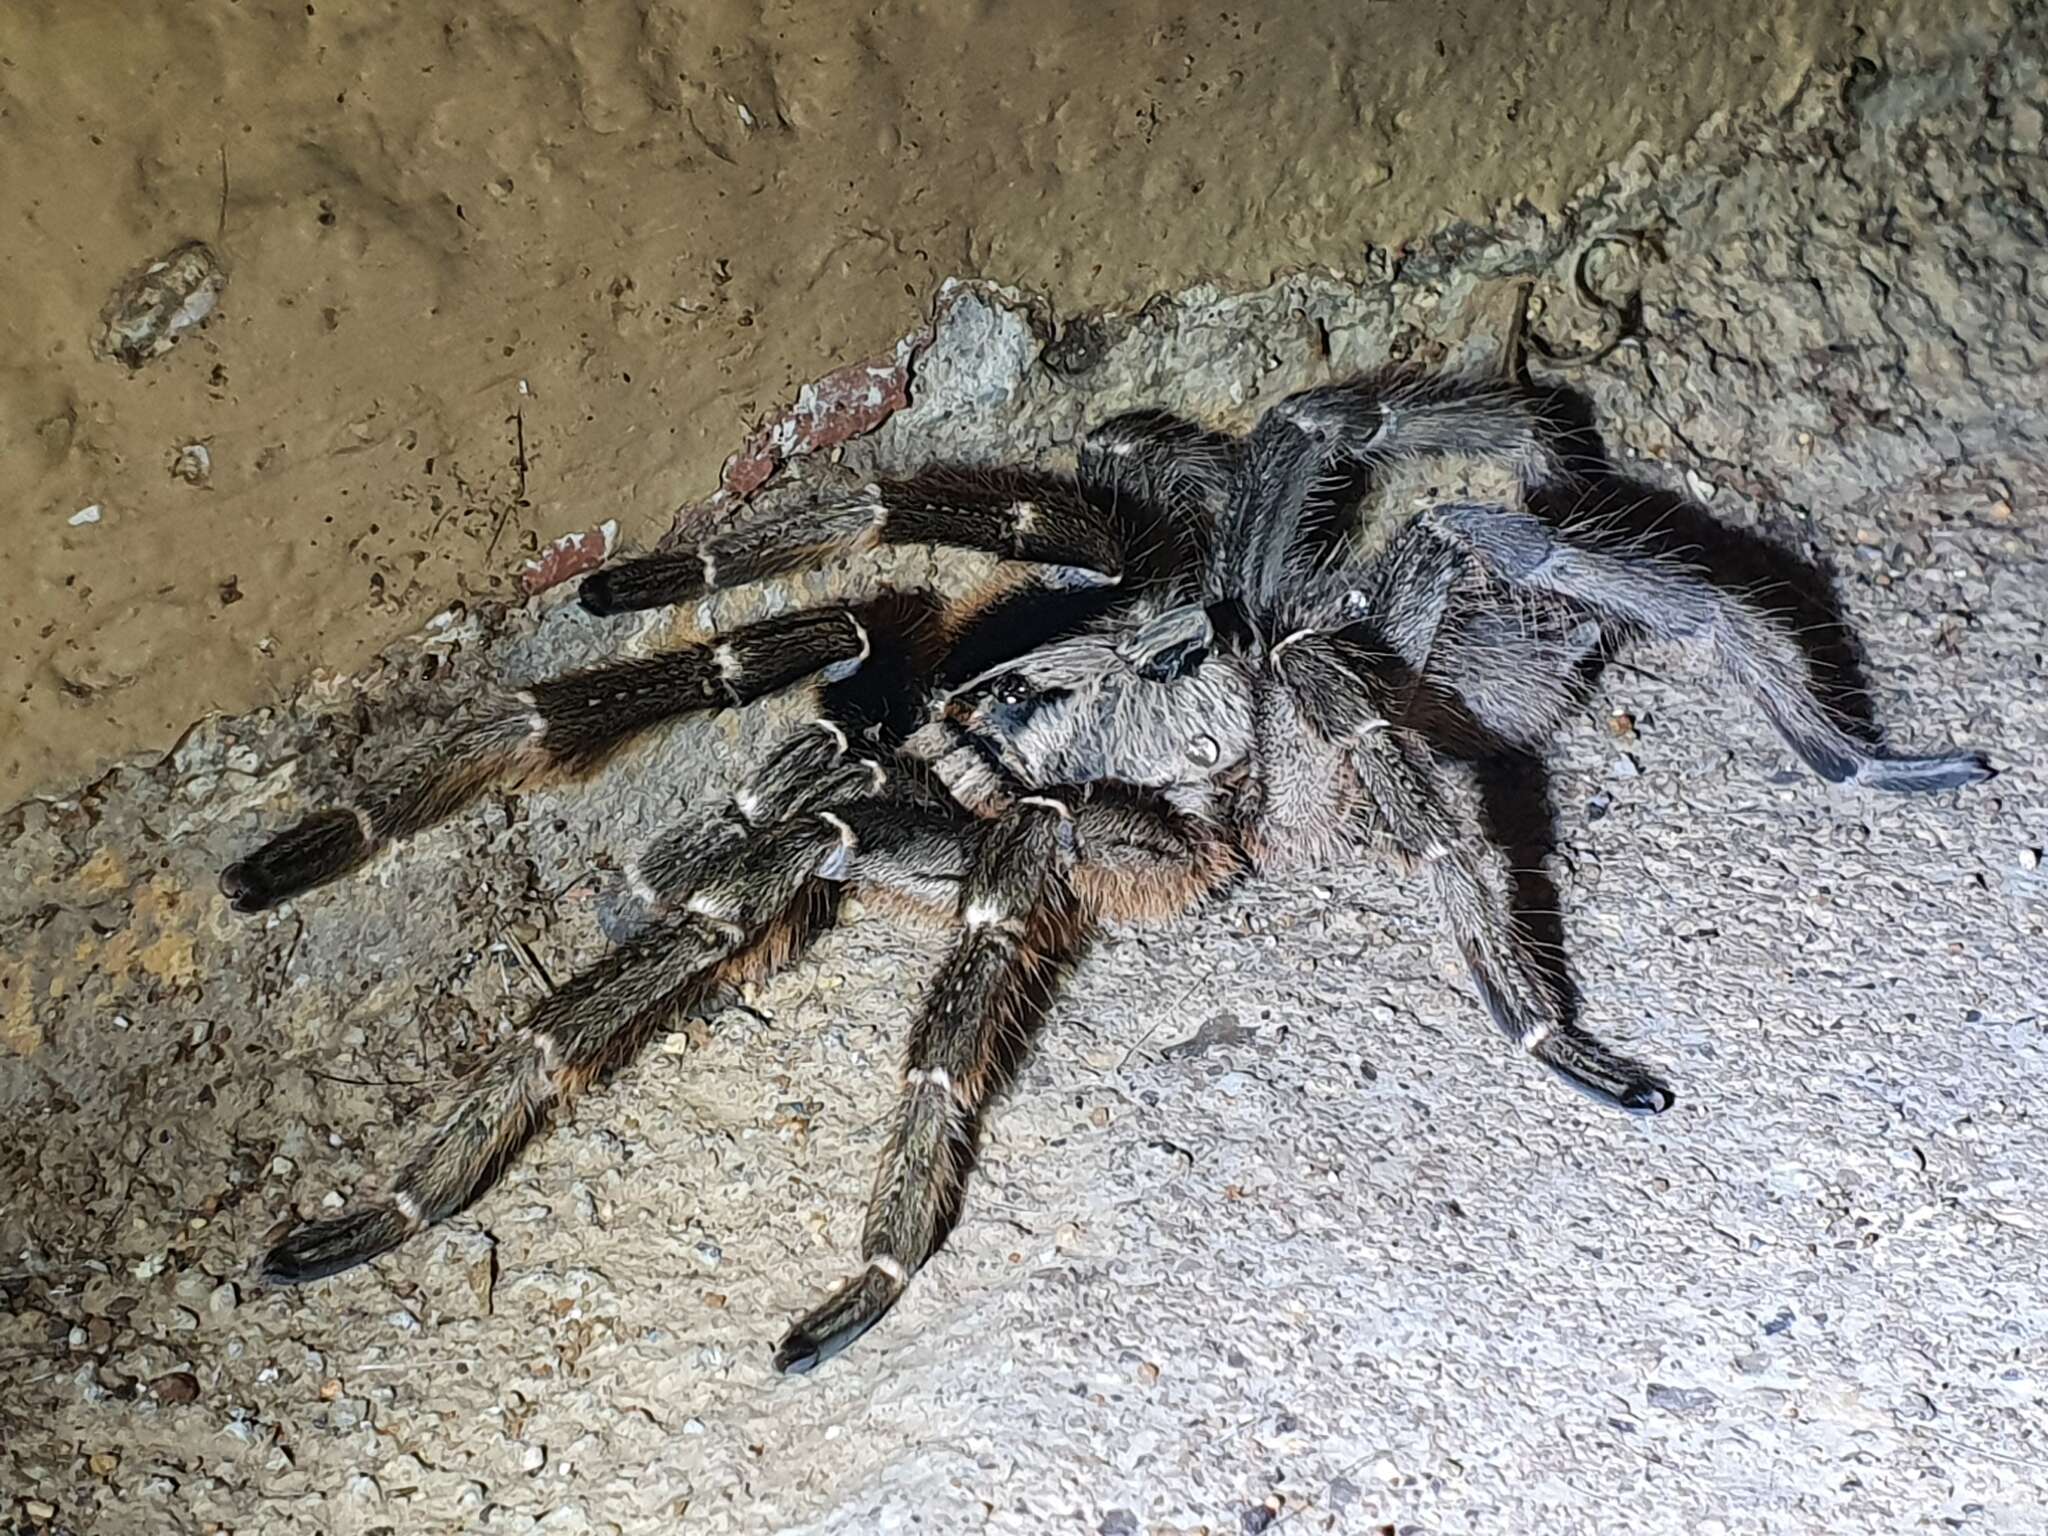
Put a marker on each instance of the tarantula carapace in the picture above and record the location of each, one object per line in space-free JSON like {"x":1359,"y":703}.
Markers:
{"x":1202,"y":677}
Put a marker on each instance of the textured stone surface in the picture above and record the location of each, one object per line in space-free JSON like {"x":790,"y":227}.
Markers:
{"x":1272,"y":1233}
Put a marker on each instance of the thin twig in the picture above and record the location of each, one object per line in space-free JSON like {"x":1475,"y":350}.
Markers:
{"x":519,"y":464}
{"x":532,"y":962}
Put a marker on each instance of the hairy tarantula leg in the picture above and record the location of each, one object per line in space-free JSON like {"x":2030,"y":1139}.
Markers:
{"x":1154,"y":460}
{"x":749,"y":915}
{"x":1668,"y":602}
{"x":1470,"y":883}
{"x":1408,"y":815}
{"x":1017,"y":922}
{"x":874,"y":805}
{"x":1274,"y":522}
{"x":1143,"y":859}
{"x":1018,"y":514}
{"x":565,"y":725}
{"x":1386,"y":418}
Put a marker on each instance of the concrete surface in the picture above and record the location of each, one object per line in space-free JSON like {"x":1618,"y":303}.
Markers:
{"x":1272,"y":1234}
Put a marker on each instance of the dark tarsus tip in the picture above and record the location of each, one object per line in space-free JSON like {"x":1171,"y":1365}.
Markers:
{"x":1850,"y":762}
{"x":1637,"y":1096}
{"x":829,"y":1329}
{"x":312,"y":853}
{"x":1928,"y":775}
{"x":322,"y":1248}
{"x":1578,"y":1061}
{"x":1647,"y":1098}
{"x":595,"y":594}
{"x":647,"y":581}
{"x":237,"y":884}
{"x":798,"y":1354}
{"x":802,"y":1351}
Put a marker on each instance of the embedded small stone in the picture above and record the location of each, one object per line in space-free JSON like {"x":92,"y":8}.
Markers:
{"x":1681,"y":1400}
{"x":193,"y":464}
{"x":175,"y":1387}
{"x":157,"y":304}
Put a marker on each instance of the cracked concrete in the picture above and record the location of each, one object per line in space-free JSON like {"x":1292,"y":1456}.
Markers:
{"x":1271,"y":1234}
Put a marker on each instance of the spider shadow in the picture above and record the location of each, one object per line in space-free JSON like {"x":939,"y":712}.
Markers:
{"x":1795,"y":586}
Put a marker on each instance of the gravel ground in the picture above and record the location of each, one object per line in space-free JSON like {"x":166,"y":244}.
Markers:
{"x":1272,"y":1234}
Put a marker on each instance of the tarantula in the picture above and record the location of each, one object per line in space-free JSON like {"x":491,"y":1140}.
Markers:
{"x":1203,"y":678}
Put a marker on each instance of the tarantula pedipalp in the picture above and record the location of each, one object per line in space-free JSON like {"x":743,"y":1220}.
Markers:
{"x":1205,"y":679}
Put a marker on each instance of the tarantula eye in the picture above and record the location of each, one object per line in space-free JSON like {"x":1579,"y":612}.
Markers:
{"x":1011,"y":689}
{"x":1204,"y":752}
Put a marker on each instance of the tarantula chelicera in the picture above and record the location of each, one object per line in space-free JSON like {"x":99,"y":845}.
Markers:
{"x":1198,"y":674}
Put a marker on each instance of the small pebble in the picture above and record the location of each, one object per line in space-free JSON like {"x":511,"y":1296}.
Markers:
{"x":535,"y":1458}
{"x":2030,"y":858}
{"x":84,"y":515}
{"x":224,"y":1298}
{"x":177,"y":1387}
{"x":193,"y":464}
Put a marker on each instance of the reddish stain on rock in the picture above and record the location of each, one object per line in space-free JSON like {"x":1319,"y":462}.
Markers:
{"x":572,"y":555}
{"x":835,"y":409}
{"x":843,"y":404}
